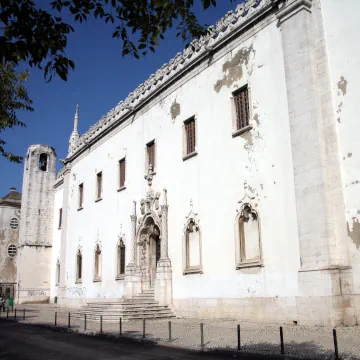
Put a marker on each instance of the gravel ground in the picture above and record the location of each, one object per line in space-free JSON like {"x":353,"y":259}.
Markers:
{"x":300,"y":341}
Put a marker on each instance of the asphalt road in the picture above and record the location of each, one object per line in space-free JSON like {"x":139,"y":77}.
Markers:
{"x":30,"y":342}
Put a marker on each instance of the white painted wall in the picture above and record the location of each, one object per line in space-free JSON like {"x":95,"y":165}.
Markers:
{"x":341,"y":25}
{"x":56,"y":241}
{"x":214,"y":179}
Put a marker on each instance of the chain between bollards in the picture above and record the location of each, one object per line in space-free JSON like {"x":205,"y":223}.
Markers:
{"x":170,"y":337}
{"x":120,"y":326}
{"x":202,"y":335}
{"x":238,"y":338}
{"x":335,"y":345}
{"x":144,"y":329}
{"x":282,"y":341}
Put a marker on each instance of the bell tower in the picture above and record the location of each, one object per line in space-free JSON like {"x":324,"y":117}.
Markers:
{"x":35,"y":243}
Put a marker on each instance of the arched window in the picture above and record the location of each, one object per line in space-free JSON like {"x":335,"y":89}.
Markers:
{"x":97,"y":272}
{"x":57,"y":280}
{"x":120,"y":260}
{"x":192,"y":244}
{"x":248,"y":243}
{"x":43,"y":162}
{"x":78,"y":266}
{"x":14,"y":223}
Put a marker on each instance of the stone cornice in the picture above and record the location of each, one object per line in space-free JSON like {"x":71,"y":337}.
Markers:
{"x":292,"y":8}
{"x":198,"y":49}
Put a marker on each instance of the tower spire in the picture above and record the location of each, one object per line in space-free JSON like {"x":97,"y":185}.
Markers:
{"x":76,"y":119}
{"x":74,"y":137}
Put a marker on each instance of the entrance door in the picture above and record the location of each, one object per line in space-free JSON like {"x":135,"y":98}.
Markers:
{"x":154,"y":258}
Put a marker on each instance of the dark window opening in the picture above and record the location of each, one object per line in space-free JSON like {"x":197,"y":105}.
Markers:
{"x":99,"y":185}
{"x":241,"y":99}
{"x":81,"y":195}
{"x":43,"y":162}
{"x":150,"y":148}
{"x":79,"y":266}
{"x":60,"y":218}
{"x":190,"y":136}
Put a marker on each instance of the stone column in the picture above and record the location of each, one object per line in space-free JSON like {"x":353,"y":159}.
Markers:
{"x":317,"y":178}
{"x":132,"y":285}
{"x":163,"y":283}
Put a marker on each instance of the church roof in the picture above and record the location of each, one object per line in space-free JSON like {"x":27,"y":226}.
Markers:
{"x":12,"y":198}
{"x":245,"y":13}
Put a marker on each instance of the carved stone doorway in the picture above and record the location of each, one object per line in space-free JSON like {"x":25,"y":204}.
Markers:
{"x":149,"y":251}
{"x":155,"y":251}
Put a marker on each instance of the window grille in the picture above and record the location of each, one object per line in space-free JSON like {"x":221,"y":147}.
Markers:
{"x":14,"y":223}
{"x":12,"y":250}
{"x":190,"y":136}
{"x":122,"y":166}
{"x":241,"y":99}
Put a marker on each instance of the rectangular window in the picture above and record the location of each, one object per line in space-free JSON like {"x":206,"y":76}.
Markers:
{"x":190,"y":136}
{"x":60,"y":218}
{"x":81,"y":196}
{"x":241,"y":99}
{"x":122,"y":170}
{"x":150,"y":154}
{"x":99,"y":186}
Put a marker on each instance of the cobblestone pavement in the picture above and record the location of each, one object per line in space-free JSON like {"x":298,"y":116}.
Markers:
{"x":300,"y":341}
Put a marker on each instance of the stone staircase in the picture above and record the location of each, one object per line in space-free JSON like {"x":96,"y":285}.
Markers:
{"x":142,"y":306}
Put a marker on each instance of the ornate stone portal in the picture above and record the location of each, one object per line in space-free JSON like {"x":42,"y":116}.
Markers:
{"x":150,"y":266}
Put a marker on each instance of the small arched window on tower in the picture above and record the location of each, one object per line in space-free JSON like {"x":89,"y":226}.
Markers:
{"x":57,"y":280}
{"x":78,"y":266}
{"x":248,"y":243}
{"x":97,"y":272}
{"x":43,"y":162}
{"x":120,"y":260}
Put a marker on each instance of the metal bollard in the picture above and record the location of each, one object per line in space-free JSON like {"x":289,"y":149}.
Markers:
{"x":143,"y":328}
{"x":169,"y":324}
{"x":202,"y":335}
{"x":84,"y":322}
{"x":238,"y":338}
{"x":55,"y":318}
{"x":335,"y":345}
{"x":120,"y":326}
{"x":282,"y":341}
{"x":12,"y":307}
{"x":7,"y":313}
{"x":101,"y":324}
{"x":24,"y":315}
{"x":15,"y":315}
{"x":69,"y":321}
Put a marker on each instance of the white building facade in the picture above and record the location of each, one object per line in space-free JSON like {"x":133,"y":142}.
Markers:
{"x":228,"y":181}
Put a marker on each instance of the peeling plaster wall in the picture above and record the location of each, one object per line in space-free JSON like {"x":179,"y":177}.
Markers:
{"x":214,"y":179}
{"x":341,"y":22}
{"x":341,"y":33}
{"x":8,"y":236}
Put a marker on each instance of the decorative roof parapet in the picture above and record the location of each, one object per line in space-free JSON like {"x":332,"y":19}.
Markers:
{"x":231,"y":21}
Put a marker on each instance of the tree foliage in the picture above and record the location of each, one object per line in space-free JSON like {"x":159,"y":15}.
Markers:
{"x":38,"y":37}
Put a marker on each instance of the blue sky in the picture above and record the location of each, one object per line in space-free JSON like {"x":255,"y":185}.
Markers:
{"x":102,"y":78}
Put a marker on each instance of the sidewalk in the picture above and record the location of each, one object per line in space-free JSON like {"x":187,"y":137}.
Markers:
{"x":299,"y":341}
